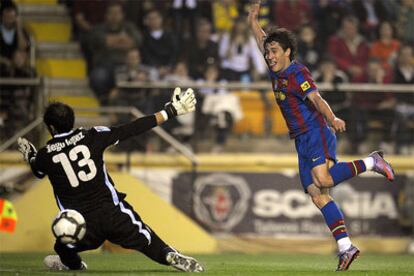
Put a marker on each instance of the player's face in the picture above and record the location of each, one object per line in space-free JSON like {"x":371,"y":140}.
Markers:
{"x":276,"y":58}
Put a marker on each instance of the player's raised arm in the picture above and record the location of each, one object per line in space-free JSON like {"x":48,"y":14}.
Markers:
{"x":253,"y":20}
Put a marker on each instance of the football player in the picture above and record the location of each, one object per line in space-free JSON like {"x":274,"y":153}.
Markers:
{"x":312,"y":124}
{"x":73,"y":161}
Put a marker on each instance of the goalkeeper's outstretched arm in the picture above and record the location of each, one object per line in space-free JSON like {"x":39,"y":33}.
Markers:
{"x":181,"y":103}
{"x":253,"y":20}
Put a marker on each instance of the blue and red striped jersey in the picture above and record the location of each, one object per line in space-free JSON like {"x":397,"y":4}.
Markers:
{"x":291,"y":88}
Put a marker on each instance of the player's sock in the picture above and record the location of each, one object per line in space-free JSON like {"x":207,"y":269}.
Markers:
{"x":369,"y":163}
{"x":335,"y":221}
{"x":345,"y":170}
{"x":344,"y":244}
{"x":158,"y":249}
{"x":69,"y":256}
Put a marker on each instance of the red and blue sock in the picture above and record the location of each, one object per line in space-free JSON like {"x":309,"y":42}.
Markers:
{"x":335,"y":220}
{"x":345,"y":170}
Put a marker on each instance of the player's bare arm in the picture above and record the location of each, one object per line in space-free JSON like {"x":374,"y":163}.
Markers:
{"x":323,"y":107}
{"x":253,"y":21}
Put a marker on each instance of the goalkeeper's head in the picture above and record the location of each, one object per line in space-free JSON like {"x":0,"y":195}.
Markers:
{"x":59,"y":118}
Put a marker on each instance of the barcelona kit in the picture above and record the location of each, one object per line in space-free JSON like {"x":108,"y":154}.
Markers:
{"x":314,"y":140}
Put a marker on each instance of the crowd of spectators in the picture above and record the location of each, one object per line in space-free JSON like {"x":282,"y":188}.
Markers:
{"x":357,"y":41}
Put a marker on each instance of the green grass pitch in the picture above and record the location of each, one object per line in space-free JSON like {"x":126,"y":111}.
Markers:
{"x":217,"y":264}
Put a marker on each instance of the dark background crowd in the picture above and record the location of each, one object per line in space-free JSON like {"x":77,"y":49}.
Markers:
{"x":356,"y":41}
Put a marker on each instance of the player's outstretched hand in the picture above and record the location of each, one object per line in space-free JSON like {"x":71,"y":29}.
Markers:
{"x":181,"y":103}
{"x":26,"y":148}
{"x":338,"y":124}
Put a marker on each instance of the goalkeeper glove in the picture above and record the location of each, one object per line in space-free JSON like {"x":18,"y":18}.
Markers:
{"x":181,"y":103}
{"x":27,"y":149}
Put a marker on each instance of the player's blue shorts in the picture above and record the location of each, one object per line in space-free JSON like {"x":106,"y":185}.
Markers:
{"x":314,"y":147}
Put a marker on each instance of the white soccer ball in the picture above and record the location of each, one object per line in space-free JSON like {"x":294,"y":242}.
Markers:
{"x":69,"y":226}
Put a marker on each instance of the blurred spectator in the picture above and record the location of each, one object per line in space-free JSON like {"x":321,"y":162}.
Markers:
{"x":374,"y":107}
{"x":349,"y":49}
{"x":391,"y":6}
{"x":385,"y":49}
{"x":159,"y":48}
{"x":238,"y":50}
{"x":219,"y":109}
{"x":110,"y":43}
{"x":179,"y":74}
{"x":135,"y":10}
{"x":369,"y":13}
{"x":292,"y":14}
{"x":404,"y":69}
{"x":16,"y":102}
{"x":329,"y":14}
{"x":203,"y":51}
{"x":405,"y":21}
{"x":133,"y":70}
{"x":183,"y":126}
{"x":184,"y":13}
{"x":329,"y":73}
{"x":19,"y":66}
{"x":13,"y":36}
{"x":339,"y":101}
{"x":309,"y":47}
{"x":224,"y":14}
{"x":404,"y":123}
{"x":86,"y":15}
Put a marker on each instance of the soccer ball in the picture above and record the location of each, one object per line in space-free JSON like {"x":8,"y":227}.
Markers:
{"x":69,"y":226}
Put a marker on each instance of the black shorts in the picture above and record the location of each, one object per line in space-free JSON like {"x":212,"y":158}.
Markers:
{"x":119,"y":224}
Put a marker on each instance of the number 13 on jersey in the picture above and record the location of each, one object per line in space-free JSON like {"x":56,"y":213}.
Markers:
{"x":83,"y":160}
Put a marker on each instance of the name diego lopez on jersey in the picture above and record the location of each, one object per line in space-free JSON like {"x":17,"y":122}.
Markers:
{"x":68,"y":142}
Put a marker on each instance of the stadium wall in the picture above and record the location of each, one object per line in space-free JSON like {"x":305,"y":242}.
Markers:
{"x":36,"y":209}
{"x":372,"y":205}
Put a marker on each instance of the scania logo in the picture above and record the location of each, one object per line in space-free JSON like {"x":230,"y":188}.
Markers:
{"x":221,"y":200}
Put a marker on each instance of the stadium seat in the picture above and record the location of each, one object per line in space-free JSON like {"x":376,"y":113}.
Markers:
{"x":50,"y":31}
{"x":33,"y":2}
{"x":253,"y":111}
{"x":61,"y":68}
{"x":279,"y":126}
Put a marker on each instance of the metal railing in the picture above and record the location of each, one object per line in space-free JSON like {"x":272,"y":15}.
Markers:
{"x":114,"y":110}
{"x":43,"y":90}
{"x":266,"y":85}
{"x":135,"y":112}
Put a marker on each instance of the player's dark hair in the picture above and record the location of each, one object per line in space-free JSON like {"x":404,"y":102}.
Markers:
{"x":284,"y":37}
{"x":60,"y":116}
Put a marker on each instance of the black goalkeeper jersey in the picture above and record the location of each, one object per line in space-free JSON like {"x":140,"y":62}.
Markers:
{"x":74,"y":164}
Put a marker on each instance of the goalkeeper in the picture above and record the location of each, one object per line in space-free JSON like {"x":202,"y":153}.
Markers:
{"x":73,"y":161}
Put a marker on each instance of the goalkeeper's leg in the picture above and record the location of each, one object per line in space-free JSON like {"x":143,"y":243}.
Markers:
{"x":129,"y":231}
{"x":160,"y":252}
{"x":157,"y":250}
{"x":67,"y":258}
